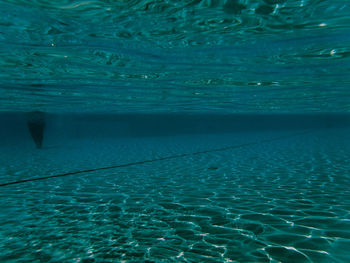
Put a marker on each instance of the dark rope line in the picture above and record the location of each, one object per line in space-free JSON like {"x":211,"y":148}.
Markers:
{"x":153,"y":160}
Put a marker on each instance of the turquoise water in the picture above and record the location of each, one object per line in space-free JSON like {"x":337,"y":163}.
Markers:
{"x":170,"y":188}
{"x":230,"y":56}
{"x":175,"y":131}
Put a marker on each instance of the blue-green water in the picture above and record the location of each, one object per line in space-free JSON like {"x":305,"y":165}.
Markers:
{"x":230,"y":56}
{"x":175,"y":131}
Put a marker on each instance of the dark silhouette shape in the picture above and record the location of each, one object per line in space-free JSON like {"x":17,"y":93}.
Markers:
{"x":36,"y":126}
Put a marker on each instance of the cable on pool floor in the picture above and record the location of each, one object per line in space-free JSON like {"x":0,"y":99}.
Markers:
{"x":153,"y":160}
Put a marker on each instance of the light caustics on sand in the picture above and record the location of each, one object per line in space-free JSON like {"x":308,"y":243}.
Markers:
{"x":154,"y":160}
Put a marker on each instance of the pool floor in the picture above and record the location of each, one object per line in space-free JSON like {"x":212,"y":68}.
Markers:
{"x":276,"y":197}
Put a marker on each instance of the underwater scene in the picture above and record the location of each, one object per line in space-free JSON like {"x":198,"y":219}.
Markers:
{"x":175,"y":131}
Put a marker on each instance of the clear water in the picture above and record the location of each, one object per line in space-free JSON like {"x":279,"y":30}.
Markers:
{"x":230,"y":56}
{"x":175,"y":131}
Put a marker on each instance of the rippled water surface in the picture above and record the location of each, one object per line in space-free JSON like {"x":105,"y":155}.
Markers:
{"x":192,"y":55}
